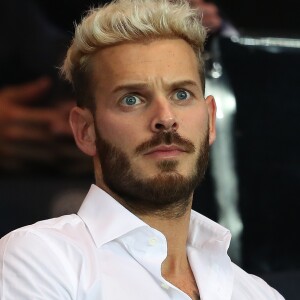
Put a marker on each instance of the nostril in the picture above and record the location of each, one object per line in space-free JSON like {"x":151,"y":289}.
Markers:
{"x":174,"y":126}
{"x":159,"y":126}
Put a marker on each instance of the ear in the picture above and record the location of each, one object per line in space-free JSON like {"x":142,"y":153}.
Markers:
{"x":212,"y":109}
{"x":82,"y":124}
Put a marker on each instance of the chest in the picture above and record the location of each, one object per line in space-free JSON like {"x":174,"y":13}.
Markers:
{"x":129,"y":271}
{"x":121,"y":276}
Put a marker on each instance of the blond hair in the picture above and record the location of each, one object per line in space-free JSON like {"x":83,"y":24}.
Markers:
{"x":129,"y":21}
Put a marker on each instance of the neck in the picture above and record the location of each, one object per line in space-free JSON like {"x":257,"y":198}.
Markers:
{"x":176,"y":232}
{"x":176,"y":268}
{"x":173,"y":222}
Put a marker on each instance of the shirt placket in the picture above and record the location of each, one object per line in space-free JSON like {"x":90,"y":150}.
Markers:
{"x":150,"y":250}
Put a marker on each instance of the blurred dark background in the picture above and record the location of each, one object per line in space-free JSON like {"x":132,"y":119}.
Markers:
{"x":264,"y":17}
{"x":258,"y":17}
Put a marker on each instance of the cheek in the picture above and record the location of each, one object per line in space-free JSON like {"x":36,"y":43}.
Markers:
{"x":195,"y":125}
{"x":120,"y":134}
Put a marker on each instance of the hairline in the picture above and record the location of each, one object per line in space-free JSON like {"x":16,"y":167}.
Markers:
{"x":88,"y":67}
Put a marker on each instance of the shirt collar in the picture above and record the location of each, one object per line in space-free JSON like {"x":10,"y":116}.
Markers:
{"x":208,"y":243}
{"x":101,"y":213}
{"x":106,"y":220}
{"x":203,"y":231}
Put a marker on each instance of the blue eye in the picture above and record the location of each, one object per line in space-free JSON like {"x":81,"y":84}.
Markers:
{"x":182,"y":95}
{"x":130,"y":100}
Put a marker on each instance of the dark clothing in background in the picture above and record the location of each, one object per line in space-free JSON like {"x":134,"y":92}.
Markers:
{"x":30,"y":46}
{"x":266,"y":83}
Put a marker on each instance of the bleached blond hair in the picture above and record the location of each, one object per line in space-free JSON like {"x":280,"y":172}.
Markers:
{"x":124,"y":21}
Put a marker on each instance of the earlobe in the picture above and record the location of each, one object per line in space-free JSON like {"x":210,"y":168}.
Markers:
{"x":82,"y":124}
{"x":212,"y":109}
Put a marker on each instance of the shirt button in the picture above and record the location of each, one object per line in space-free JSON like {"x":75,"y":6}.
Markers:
{"x":152,"y":241}
{"x":164,"y":286}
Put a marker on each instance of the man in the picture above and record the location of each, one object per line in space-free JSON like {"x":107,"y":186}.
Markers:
{"x":137,"y":69}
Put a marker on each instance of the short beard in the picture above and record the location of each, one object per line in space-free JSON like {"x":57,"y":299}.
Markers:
{"x":168,"y":194}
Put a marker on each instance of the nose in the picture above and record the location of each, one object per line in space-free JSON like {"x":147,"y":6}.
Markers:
{"x":164,"y":118}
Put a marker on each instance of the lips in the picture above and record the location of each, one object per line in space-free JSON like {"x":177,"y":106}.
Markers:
{"x":165,"y":142}
{"x":165,"y":150}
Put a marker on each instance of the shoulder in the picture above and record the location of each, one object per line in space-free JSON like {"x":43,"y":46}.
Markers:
{"x":44,"y":240}
{"x":247,"y":286}
{"x":51,"y":234}
{"x":35,"y":257}
{"x":49,"y":242}
{"x":46,"y":229}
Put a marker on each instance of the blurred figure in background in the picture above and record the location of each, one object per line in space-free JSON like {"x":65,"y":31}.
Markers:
{"x":211,"y":16}
{"x":36,"y":147}
{"x":33,"y":101}
{"x":28,"y":133}
{"x":219,"y":197}
{"x":213,"y":19}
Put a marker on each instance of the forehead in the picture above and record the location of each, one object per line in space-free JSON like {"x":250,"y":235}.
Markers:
{"x":165,"y":60}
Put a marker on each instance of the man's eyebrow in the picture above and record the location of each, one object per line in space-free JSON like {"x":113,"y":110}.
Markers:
{"x":183,"y":83}
{"x":141,"y":86}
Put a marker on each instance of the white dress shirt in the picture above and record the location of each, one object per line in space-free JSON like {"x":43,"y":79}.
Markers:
{"x":107,"y":253}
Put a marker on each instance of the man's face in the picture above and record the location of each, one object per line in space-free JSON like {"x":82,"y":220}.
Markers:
{"x":152,"y":123}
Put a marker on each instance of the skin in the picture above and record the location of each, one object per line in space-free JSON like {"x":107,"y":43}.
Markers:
{"x":27,"y":131}
{"x":154,"y":72}
{"x":211,"y":16}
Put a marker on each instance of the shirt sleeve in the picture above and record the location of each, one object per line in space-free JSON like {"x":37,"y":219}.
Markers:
{"x":272,"y":293}
{"x":247,"y":286}
{"x":34,"y":268}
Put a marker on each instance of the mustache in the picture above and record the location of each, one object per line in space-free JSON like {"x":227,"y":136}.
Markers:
{"x":167,"y":138}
